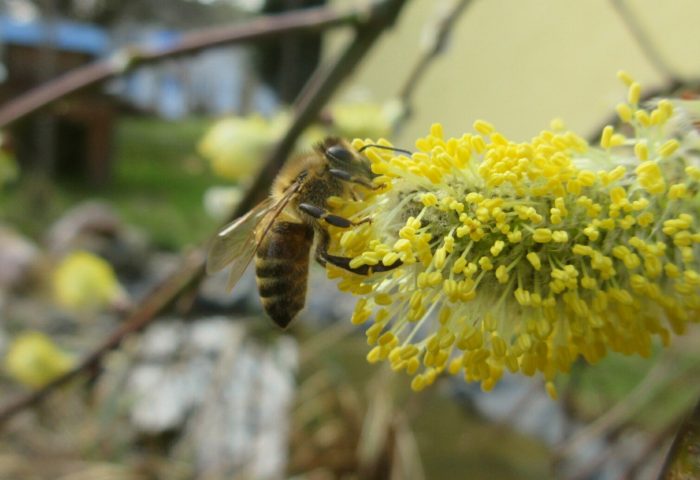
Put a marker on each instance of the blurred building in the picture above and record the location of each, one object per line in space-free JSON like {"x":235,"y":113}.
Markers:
{"x":73,"y":136}
{"x":216,"y":81}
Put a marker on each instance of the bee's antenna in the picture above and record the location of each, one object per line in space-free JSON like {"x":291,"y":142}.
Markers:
{"x":384,"y":147}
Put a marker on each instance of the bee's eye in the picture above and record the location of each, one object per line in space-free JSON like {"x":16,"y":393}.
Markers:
{"x":339,"y":153}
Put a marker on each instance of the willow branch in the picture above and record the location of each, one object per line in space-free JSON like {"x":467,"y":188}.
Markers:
{"x":322,"y":85}
{"x":128,"y":58}
{"x":631,"y":21}
{"x":320,"y":88}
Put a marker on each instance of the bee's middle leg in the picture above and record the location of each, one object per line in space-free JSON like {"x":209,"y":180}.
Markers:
{"x":323,"y":214}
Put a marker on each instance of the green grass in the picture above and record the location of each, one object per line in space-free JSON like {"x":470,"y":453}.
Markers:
{"x":157,"y":185}
{"x":159,"y":180}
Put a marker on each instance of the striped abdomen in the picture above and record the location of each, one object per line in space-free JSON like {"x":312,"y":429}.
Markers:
{"x":282,"y":267}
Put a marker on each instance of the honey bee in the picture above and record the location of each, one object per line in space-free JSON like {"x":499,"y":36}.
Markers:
{"x":281,"y":231}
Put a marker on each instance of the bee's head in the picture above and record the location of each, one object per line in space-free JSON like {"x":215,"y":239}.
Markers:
{"x":341,"y":156}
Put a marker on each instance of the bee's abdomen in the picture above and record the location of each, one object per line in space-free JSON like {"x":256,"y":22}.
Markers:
{"x":282,"y":267}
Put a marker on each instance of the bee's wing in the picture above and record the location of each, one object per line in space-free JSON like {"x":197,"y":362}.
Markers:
{"x":236,"y":243}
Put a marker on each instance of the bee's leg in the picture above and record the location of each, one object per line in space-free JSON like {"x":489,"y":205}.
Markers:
{"x":347,"y":177}
{"x":323,"y":257}
{"x":323,"y":214}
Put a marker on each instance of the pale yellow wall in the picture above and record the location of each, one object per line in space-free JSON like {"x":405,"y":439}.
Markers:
{"x":520,"y":63}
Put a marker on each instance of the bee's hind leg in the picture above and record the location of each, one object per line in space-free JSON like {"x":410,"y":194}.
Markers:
{"x":323,"y":214}
{"x":344,"y":262}
{"x":323,"y":257}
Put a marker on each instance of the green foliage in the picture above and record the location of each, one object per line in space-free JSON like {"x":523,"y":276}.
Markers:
{"x":8,"y":168}
{"x":157,"y":184}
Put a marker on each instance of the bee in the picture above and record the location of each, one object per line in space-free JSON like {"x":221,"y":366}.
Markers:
{"x":282,"y":230}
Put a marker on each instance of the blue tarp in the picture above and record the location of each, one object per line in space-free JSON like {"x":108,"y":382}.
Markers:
{"x":65,"y":35}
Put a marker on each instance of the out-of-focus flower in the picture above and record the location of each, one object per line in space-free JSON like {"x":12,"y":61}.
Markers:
{"x":524,"y":256}
{"x":219,"y":202}
{"x":84,"y":281}
{"x":235,"y":146}
{"x":34,"y":360}
{"x":360,"y":120}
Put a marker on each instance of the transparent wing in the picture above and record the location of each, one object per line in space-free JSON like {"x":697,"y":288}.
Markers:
{"x":236,"y":243}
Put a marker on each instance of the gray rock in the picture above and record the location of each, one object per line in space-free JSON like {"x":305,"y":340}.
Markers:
{"x":228,"y":394}
{"x":95,"y":226}
{"x":82,"y":227}
{"x":18,"y":258}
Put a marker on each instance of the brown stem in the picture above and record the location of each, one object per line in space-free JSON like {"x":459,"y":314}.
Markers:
{"x":128,"y":58}
{"x":683,"y":460}
{"x":322,"y":85}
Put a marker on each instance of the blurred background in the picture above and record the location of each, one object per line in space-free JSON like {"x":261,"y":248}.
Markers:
{"x":105,"y":191}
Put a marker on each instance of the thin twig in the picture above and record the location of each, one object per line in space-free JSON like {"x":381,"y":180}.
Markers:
{"x":623,"y":410}
{"x":655,"y":442}
{"x":381,"y":16}
{"x":653,"y":449}
{"x":323,"y":84}
{"x":648,"y":47}
{"x":440,"y":34}
{"x":128,"y":58}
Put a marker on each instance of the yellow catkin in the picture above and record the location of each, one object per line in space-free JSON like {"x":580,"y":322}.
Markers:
{"x":524,"y":256}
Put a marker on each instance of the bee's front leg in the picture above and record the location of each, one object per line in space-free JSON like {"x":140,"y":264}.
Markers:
{"x":323,"y":214}
{"x":347,"y":177}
